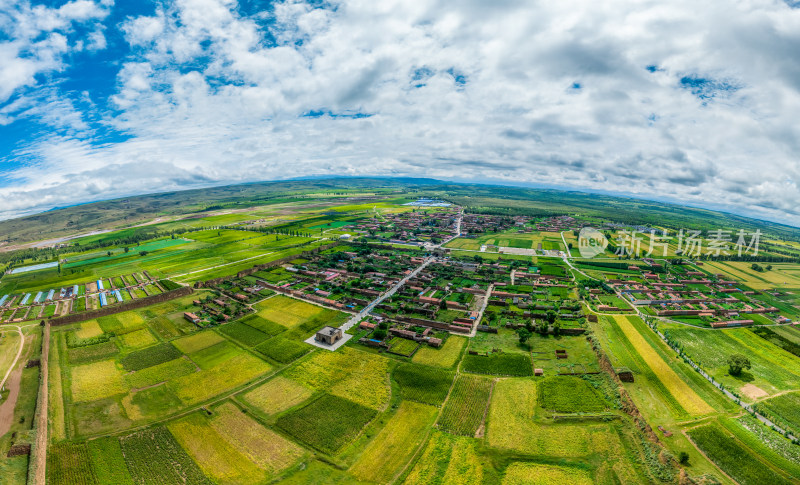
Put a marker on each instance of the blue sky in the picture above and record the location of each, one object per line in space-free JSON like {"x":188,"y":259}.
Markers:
{"x":671,"y":100}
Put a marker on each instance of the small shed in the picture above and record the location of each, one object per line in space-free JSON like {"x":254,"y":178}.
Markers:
{"x":538,"y":372}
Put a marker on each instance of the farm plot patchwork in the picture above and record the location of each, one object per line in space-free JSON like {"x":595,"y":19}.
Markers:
{"x":96,"y":381}
{"x":568,"y":394}
{"x":277,"y":395}
{"x":154,"y":456}
{"x":464,"y":411}
{"x":394,"y":446}
{"x":328,"y":423}
{"x":505,"y":364}
{"x":352,"y":374}
{"x":686,"y":397}
{"x":732,"y":456}
{"x":428,"y":385}
{"x":449,"y":459}
{"x":536,"y":474}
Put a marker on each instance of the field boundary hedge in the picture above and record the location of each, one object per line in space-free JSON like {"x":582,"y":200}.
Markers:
{"x":122,"y":307}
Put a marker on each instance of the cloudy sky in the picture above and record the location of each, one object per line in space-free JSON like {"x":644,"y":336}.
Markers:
{"x":682,"y":100}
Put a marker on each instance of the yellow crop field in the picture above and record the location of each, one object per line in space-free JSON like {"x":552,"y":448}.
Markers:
{"x":358,"y":376}
{"x":394,"y":446}
{"x":536,"y":474}
{"x":448,"y":459}
{"x":268,"y":450}
{"x":447,"y":356}
{"x":89,"y":329}
{"x":781,"y":275}
{"x":96,"y":381}
{"x":225,"y":376}
{"x":130,"y":319}
{"x":287,"y":311}
{"x":216,"y":457}
{"x":197,"y":341}
{"x":683,"y":394}
{"x":138,"y":338}
{"x":511,"y":425}
{"x":276,"y":395}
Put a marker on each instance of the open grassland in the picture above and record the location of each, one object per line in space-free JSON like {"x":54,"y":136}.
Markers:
{"x":153,"y":456}
{"x":268,"y":450}
{"x":451,"y":460}
{"x":536,"y":474}
{"x":424,"y":384}
{"x":218,"y":458}
{"x":734,"y":457}
{"x":352,"y":374}
{"x":96,"y":381}
{"x":446,"y":356}
{"x":465,"y":408}
{"x":396,"y":443}
{"x":773,"y":369}
{"x":569,"y":394}
{"x":277,"y":395}
{"x":108,"y":462}
{"x":327,"y":424}
{"x":678,"y":389}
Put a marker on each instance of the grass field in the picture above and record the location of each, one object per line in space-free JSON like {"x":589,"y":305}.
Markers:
{"x":506,"y":364}
{"x":568,"y":394}
{"x":277,"y":395}
{"x":327,"y":424}
{"x":283,"y":350}
{"x":465,"y":408}
{"x":394,"y":446}
{"x":446,"y":356}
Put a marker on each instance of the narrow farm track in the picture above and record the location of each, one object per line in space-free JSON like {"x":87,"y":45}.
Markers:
{"x":40,"y":449}
{"x":16,"y":359}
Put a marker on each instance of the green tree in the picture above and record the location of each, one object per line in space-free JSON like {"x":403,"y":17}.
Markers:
{"x":551,"y":316}
{"x":683,"y":457}
{"x":524,"y":334}
{"x":379,"y":334}
{"x":736,"y":363}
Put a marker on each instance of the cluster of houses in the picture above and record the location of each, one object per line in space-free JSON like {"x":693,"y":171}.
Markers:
{"x":693,"y":293}
{"x":473,"y":224}
{"x":430,"y":225}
